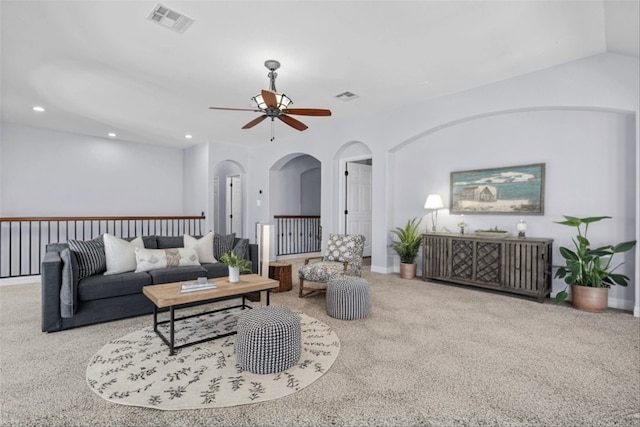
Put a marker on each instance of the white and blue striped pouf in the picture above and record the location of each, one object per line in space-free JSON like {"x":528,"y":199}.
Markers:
{"x":348,"y":298}
{"x":268,"y":340}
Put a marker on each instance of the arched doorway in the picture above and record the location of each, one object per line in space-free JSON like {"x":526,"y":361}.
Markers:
{"x":228,"y":199}
{"x":295,"y":204}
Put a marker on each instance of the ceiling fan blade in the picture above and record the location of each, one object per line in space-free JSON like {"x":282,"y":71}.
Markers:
{"x":307,"y":111}
{"x":269,"y":98}
{"x":296,"y":124}
{"x":254,"y":122}
{"x":235,"y":109}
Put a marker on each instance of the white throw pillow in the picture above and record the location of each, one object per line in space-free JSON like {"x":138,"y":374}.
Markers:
{"x":120,"y":254}
{"x":154,"y":259}
{"x":203,"y":245}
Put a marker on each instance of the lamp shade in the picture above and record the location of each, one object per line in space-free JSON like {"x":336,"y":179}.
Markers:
{"x":434,"y":201}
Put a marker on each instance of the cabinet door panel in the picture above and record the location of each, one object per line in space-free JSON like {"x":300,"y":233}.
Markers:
{"x":462,"y":259}
{"x":527,"y":265}
{"x":488,"y":262}
{"x":435,"y":257}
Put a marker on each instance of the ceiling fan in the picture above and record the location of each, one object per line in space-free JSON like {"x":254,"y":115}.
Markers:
{"x":276,"y":105}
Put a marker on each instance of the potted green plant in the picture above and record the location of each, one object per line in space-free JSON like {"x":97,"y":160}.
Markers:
{"x":236,"y":264}
{"x":407,"y":246}
{"x":589,"y":271}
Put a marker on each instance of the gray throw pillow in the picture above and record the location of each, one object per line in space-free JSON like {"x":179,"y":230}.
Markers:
{"x":90,"y":256}
{"x":69,"y":288}
{"x":241,"y":248}
{"x":222,"y":244}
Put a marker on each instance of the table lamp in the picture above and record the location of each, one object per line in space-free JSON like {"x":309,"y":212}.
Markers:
{"x":434,"y":202}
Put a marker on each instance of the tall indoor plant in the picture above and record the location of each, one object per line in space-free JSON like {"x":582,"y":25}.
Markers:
{"x":589,"y":271}
{"x":407,"y":247}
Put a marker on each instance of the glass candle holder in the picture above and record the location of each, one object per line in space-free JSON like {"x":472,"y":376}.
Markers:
{"x":521,"y":227}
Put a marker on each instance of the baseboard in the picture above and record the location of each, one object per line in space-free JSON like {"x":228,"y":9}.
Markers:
{"x":621,"y":304}
{"x":381,"y":270}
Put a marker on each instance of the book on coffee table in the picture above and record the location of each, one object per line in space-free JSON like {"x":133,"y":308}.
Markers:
{"x":195,"y":286}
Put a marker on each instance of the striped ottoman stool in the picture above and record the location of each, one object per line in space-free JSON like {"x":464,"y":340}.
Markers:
{"x":348,"y":298}
{"x":268,"y":340}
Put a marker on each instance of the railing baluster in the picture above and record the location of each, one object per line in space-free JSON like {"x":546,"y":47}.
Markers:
{"x":10,"y":246}
{"x":18,"y":245}
{"x":296,"y":234}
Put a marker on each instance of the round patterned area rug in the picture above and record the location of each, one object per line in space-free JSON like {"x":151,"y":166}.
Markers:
{"x":137,"y":370}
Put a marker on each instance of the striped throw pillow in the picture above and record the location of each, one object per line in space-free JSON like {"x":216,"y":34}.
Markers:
{"x":90,"y":256}
{"x":222,"y":244}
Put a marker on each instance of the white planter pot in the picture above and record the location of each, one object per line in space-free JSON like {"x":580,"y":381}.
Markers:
{"x":234,"y":274}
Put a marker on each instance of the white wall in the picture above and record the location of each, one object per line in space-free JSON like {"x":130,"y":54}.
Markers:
{"x":585,"y":152}
{"x":607,"y":82}
{"x":310,"y":185}
{"x":196,"y":181}
{"x":46,"y":173}
{"x":286,"y":185}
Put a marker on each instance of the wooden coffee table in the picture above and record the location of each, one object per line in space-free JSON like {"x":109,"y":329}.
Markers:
{"x":169,"y":296}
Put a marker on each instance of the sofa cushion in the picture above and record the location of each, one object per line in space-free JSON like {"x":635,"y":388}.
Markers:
{"x":204,"y":246}
{"x":216,"y":269}
{"x":165,"y":242}
{"x":154,"y":259}
{"x":90,"y":255}
{"x":223,"y":244}
{"x":101,"y":286}
{"x":69,"y":287}
{"x":177,"y":274}
{"x":121,"y":256}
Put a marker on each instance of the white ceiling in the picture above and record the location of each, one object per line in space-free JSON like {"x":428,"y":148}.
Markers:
{"x":101,"y":66}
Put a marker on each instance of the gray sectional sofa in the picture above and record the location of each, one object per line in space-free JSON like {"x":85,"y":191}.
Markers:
{"x":70,"y":300}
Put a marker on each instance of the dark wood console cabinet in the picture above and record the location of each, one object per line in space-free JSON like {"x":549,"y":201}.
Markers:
{"x":519,"y":266}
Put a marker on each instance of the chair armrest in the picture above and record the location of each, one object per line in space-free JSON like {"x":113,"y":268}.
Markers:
{"x":306,"y":260}
{"x":51,"y":285}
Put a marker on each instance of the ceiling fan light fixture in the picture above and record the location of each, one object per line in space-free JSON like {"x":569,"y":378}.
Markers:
{"x":283,"y":101}
{"x":275,"y":105}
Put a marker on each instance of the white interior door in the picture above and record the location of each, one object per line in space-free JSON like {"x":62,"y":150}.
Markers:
{"x":234,"y":205}
{"x":358,"y":209}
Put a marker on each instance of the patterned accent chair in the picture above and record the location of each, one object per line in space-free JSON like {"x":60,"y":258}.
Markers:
{"x":343,"y":256}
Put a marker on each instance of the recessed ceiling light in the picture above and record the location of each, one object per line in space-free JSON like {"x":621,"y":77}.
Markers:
{"x":112,"y":134}
{"x":38,"y":108}
{"x":188,"y":136}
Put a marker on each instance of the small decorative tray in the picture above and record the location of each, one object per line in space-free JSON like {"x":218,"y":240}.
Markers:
{"x":492,"y":234}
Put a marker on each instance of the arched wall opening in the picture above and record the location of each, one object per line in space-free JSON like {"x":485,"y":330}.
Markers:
{"x":295,"y":198}
{"x":229,"y":203}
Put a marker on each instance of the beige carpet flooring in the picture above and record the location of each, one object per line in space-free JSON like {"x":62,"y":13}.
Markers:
{"x":428,"y":354}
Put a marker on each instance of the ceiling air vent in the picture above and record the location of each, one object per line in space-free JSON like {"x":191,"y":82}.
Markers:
{"x":347,"y":96}
{"x":170,"y":18}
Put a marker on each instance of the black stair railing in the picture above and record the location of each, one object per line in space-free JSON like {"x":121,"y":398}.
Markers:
{"x":23,"y":239}
{"x":297,"y":234}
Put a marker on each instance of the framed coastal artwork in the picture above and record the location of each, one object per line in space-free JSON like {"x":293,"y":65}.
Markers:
{"x":509,"y":190}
